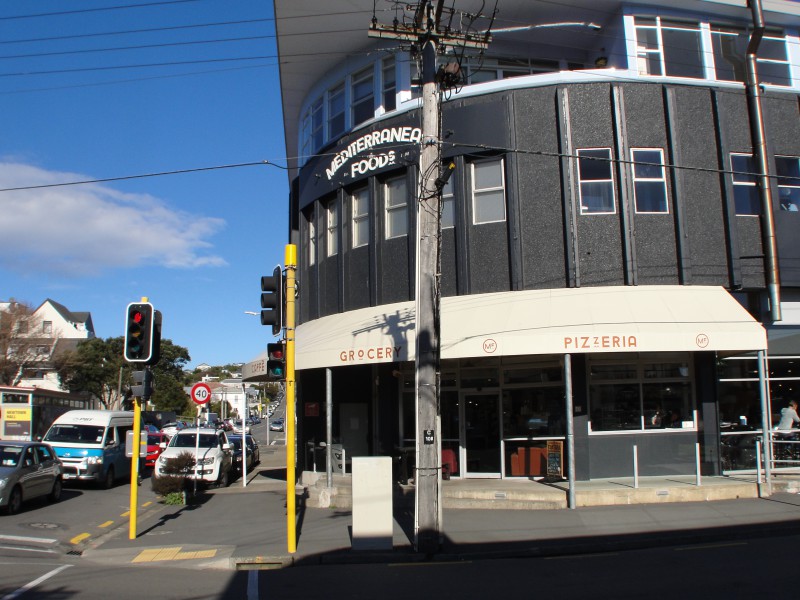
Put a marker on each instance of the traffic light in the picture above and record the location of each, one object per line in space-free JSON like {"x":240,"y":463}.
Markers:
{"x":272,"y":300}
{"x":143,"y":384}
{"x":276,"y":361}
{"x":142,"y":333}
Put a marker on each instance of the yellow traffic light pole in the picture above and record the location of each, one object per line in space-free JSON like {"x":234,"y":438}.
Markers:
{"x":290,"y":259}
{"x":137,"y":428}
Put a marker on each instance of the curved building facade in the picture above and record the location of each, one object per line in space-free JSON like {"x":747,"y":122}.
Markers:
{"x":604,"y":252}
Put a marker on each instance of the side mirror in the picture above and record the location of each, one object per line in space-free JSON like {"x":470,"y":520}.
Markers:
{"x":162,"y":445}
{"x":226,"y":446}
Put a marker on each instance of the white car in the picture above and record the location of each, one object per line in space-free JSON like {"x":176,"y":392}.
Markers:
{"x":214,"y":456}
{"x":239,"y":430}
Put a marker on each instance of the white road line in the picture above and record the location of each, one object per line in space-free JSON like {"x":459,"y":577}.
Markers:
{"x":23,"y":549}
{"x":252,"y":585}
{"x":34,"y":583}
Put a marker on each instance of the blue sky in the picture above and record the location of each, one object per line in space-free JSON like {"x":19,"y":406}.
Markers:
{"x":196,"y":244}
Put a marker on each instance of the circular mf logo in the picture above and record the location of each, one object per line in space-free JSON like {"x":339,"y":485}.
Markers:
{"x":701,"y":340}
{"x":489,"y":346}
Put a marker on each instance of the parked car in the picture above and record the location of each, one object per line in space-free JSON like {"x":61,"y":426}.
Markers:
{"x":28,"y":470}
{"x":239,"y":429}
{"x":236,"y":443}
{"x":276,"y":425}
{"x":154,"y":441}
{"x":172,"y":428}
{"x":214,"y":457}
{"x":253,"y":445}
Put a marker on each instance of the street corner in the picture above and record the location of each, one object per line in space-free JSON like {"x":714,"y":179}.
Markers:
{"x":185,"y":556}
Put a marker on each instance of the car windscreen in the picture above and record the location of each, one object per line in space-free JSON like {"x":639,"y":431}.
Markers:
{"x":189,"y":440}
{"x":154,"y":440}
{"x":9,"y":455}
{"x":75,"y":434}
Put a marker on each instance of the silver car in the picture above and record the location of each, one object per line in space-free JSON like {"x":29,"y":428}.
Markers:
{"x":28,"y":470}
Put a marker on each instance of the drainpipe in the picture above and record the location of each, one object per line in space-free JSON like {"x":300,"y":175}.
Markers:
{"x":760,"y":157}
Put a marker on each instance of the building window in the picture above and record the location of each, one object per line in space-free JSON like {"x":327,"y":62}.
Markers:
{"x":730,"y":51}
{"x":333,"y":228}
{"x":22,"y":327}
{"x":788,"y":171}
{"x":363,"y":96}
{"x":647,"y":395}
{"x":745,"y":192}
{"x":649,"y":183}
{"x":596,"y":181}
{"x":488,"y":191}
{"x":448,"y":206}
{"x":360,"y":208}
{"x":396,"y":202}
{"x":312,"y":240}
{"x":312,"y":133}
{"x":389,"y":84}
{"x":47,"y":327}
{"x":336,"y":112}
{"x":666,"y":47}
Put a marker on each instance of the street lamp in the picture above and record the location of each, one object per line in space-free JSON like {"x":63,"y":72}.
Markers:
{"x":250,"y":312}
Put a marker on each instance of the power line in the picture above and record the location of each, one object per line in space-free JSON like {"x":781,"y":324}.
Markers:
{"x":144,"y":175}
{"x":99,"y":9}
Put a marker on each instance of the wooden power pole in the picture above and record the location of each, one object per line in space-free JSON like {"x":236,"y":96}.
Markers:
{"x":424,"y":32}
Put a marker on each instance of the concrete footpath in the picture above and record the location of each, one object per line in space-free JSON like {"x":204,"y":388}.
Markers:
{"x":246,"y":528}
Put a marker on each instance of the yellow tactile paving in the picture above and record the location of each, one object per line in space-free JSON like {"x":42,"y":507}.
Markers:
{"x":175,"y":553}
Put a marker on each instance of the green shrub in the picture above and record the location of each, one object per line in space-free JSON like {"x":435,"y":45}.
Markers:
{"x":174,"y":478}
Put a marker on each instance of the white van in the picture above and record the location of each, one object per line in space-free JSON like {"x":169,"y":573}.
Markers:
{"x":91,"y":444}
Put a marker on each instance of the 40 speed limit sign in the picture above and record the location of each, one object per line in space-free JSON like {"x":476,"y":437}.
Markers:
{"x":201,"y":393}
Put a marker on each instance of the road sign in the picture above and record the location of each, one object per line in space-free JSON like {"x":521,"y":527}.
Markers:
{"x":201,"y":393}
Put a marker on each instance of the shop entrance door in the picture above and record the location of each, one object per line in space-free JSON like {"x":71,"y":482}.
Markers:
{"x":481,"y":434}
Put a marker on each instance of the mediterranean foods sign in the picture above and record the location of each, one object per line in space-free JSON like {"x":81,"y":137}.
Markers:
{"x":377,"y":140}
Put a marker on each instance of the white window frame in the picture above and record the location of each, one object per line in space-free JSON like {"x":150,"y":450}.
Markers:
{"x":388,"y":65}
{"x":662,"y":180}
{"x":584,"y":209}
{"x":395,"y":208}
{"x":47,"y":327}
{"x":359,"y":207}
{"x":339,"y":90}
{"x":448,"y":205}
{"x":356,"y":79}
{"x":791,"y":184}
{"x":478,"y":193}
{"x":743,"y":182}
{"x":312,"y":240}
{"x":332,"y":236}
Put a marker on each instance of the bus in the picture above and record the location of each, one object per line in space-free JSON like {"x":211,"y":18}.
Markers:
{"x":26,"y":413}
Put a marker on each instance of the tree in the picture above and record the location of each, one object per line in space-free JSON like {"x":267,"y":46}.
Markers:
{"x":19,"y":347}
{"x":97,"y":366}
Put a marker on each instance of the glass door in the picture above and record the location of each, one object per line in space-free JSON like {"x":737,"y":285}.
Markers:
{"x":481,"y":434}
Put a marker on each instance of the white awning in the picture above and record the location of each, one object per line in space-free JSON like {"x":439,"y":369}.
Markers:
{"x":578,"y":320}
{"x":256,"y":369}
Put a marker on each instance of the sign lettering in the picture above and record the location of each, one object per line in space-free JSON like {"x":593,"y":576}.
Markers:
{"x":391,"y":135}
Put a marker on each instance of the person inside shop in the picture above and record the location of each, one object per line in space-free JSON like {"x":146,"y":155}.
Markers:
{"x":789,"y":418}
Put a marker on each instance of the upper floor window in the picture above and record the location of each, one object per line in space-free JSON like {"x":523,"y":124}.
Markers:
{"x":312,"y":240}
{"x":389,"y":84}
{"x":745,"y":192}
{"x":665,"y":47}
{"x":336,"y":111}
{"x":488,"y":191}
{"x":47,"y":327}
{"x":360,"y":209}
{"x":596,"y":181}
{"x":396,"y":201}
{"x":649,"y":183}
{"x":313,"y":133}
{"x":363,"y":96}
{"x":22,"y":327}
{"x":730,"y":51}
{"x":332,"y":213}
{"x":448,"y":205}
{"x":788,"y":170}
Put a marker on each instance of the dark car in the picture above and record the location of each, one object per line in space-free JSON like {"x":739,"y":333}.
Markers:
{"x":28,"y":470}
{"x":253,"y":445}
{"x":236,"y":444}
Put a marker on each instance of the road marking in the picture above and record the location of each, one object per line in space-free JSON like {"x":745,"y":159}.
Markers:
{"x":175,"y":553}
{"x":599,"y":554}
{"x":106,"y":524}
{"x":126,"y":513}
{"x":146,"y":504}
{"x":705,"y":546}
{"x":34,"y":583}
{"x":79,"y":538}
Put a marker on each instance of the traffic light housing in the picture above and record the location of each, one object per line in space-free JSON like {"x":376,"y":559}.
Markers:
{"x":142,"y":333}
{"x":276,"y":361}
{"x":272,"y":300}
{"x":142,"y":384}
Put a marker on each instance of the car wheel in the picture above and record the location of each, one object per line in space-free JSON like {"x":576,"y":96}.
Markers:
{"x":108,"y":482}
{"x":55,"y":493}
{"x":14,"y":501}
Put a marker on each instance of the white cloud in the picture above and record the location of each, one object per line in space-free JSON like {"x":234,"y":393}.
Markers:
{"x":86,"y":229}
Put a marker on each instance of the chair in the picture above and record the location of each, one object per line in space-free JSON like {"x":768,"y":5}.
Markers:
{"x":449,"y":463}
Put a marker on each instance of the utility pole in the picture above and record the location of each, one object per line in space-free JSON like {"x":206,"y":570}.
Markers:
{"x":424,"y":33}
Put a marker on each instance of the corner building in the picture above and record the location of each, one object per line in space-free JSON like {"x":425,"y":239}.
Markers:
{"x":603,"y":240}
